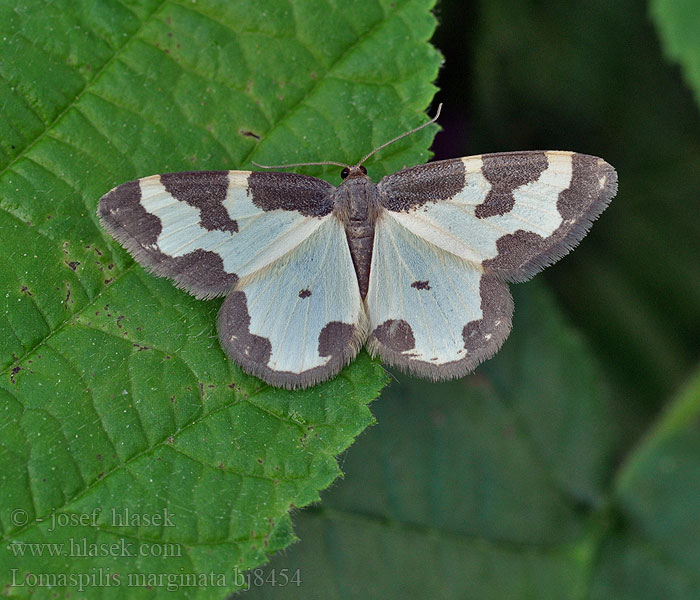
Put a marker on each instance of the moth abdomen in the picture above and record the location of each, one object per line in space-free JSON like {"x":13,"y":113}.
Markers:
{"x":360,"y":240}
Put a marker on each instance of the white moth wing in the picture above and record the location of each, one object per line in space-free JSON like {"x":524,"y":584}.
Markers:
{"x":293,"y":314}
{"x":510,"y":213}
{"x":298,"y":321}
{"x":431,"y":312}
{"x":207,"y":229}
{"x":453,"y":231}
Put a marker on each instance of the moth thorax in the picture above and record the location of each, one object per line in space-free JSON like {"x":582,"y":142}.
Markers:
{"x":356,"y":201}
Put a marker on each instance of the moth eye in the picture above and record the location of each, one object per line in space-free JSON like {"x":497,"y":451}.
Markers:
{"x":345,"y":172}
{"x":364,"y":171}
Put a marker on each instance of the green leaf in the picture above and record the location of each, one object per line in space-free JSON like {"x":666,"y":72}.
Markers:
{"x":115,"y":394}
{"x":678,"y":23}
{"x":489,"y":487}
{"x":655,"y":551}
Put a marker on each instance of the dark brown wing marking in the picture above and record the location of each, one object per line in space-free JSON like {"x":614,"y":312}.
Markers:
{"x":288,"y":191}
{"x":505,"y":176}
{"x":205,"y":190}
{"x":413,"y":187}
{"x":522,"y":253}
{"x":201,"y":272}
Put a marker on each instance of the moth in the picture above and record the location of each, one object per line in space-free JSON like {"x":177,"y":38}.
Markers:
{"x":416,"y":266}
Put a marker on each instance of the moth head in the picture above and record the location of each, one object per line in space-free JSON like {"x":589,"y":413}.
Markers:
{"x":356,"y":171}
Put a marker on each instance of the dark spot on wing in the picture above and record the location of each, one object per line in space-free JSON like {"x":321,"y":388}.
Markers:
{"x":395,"y":334}
{"x":421,"y":285}
{"x":205,"y":190}
{"x":234,"y":332}
{"x":335,"y":338}
{"x":485,"y":335}
{"x":432,"y":182}
{"x":506,"y":173}
{"x":289,"y":191}
{"x":515,"y":250}
{"x":481,"y":338}
{"x":593,"y":182}
{"x":201,"y":271}
{"x":122,"y":214}
{"x":304,"y":293}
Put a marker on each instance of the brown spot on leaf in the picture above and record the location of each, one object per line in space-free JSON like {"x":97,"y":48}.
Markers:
{"x":248,"y":133}
{"x":14,"y":372}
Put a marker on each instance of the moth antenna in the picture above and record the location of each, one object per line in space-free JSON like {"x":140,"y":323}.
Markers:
{"x":304,"y":164}
{"x":403,"y":135}
{"x":339,"y":164}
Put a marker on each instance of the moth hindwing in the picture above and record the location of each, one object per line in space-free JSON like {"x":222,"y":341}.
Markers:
{"x":415,"y":266}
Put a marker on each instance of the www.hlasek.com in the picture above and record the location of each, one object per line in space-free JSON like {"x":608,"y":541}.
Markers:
{"x":81,"y":547}
{"x":172,"y":582}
